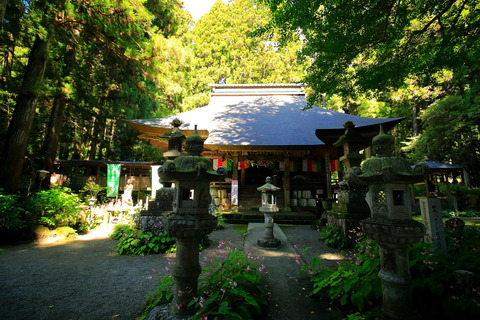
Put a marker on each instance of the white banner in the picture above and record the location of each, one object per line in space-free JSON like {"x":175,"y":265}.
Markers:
{"x":155,"y":181}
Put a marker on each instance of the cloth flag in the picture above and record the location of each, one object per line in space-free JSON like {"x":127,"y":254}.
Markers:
{"x":155,"y":181}
{"x":243,"y":165}
{"x":334,"y":165}
{"x":217,"y":163}
{"x":113,"y":179}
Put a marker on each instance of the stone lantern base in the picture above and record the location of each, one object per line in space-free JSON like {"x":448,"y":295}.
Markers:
{"x":268,"y":240}
{"x":269,"y":243}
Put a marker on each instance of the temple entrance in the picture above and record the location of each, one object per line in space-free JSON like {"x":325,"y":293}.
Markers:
{"x":256,"y":175}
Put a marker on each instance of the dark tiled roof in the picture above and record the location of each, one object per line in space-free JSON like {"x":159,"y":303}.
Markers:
{"x":260,"y":115}
{"x":434,"y":166}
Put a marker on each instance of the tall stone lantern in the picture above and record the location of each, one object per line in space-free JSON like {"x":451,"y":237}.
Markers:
{"x":154,"y":219}
{"x":390,"y":200}
{"x":190,"y":220}
{"x":351,"y":207}
{"x":269,"y":207}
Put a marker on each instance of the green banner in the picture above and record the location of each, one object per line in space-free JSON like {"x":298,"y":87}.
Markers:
{"x":113,"y":178}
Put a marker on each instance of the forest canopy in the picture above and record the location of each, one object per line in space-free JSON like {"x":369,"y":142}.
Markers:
{"x":72,"y":70}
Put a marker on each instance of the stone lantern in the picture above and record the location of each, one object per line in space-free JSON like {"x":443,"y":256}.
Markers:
{"x":390,"y":199}
{"x":269,"y":206}
{"x":190,"y":220}
{"x":174,"y":139}
{"x":154,"y":219}
{"x":351,"y":207}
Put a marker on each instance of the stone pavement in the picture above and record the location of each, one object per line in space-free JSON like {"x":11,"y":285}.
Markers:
{"x":288,"y":286}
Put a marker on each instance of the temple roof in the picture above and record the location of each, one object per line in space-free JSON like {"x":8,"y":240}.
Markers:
{"x":258,"y":115}
{"x":437,"y":167}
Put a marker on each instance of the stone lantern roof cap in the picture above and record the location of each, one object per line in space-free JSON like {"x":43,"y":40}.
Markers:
{"x":384,"y":167}
{"x":268,"y":186}
{"x":183,"y":166}
{"x":175,"y":132}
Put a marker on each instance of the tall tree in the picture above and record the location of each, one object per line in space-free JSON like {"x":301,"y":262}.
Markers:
{"x":114,"y":40}
{"x":19,"y":129}
{"x":385,"y":41}
{"x":226,"y":49}
{"x":414,"y":55}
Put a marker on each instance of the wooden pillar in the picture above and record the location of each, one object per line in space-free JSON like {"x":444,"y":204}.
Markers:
{"x":235,"y":168}
{"x":243,"y":177}
{"x":286,"y":182}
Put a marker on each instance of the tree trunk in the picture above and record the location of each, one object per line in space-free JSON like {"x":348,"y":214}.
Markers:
{"x":50,"y":144}
{"x":94,"y":140}
{"x":55,"y":124}
{"x":19,"y":129}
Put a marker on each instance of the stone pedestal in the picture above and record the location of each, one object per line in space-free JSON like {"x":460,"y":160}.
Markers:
{"x":394,"y":239}
{"x":155,"y":218}
{"x":268,"y":240}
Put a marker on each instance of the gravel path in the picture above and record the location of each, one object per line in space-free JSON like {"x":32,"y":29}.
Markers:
{"x":86,"y":279}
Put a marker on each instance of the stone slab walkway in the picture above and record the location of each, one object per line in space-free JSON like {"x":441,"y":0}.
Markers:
{"x":288,"y":286}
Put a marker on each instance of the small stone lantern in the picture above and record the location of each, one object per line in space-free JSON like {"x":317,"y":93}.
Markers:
{"x":391,"y":225}
{"x":190,"y":220}
{"x":269,"y":206}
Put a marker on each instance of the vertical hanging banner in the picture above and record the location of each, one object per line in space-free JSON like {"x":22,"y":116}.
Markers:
{"x":113,"y":178}
{"x":155,"y":181}
{"x":234,"y":192}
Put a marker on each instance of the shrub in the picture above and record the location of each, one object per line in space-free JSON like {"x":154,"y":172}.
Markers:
{"x":334,"y":236}
{"x":137,"y":242}
{"x":355,"y":287}
{"x":354,"y":284}
{"x":66,"y":232}
{"x":467,"y":213}
{"x":10,"y":212}
{"x":119,"y":230}
{"x":56,"y":207}
{"x":442,"y":294}
{"x":229,"y":287}
{"x":91,"y":190}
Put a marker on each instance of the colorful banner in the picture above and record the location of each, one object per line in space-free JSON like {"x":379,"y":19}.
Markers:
{"x":334,"y":165}
{"x":311,"y":165}
{"x":113,"y":179}
{"x":217,"y":163}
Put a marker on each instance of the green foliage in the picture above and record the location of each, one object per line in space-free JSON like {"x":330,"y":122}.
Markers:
{"x":354,"y":284}
{"x":229,"y":287}
{"x":91,"y":190}
{"x":334,"y":236}
{"x":442,"y":294}
{"x":162,"y":294}
{"x":11,"y":213}
{"x":55,"y":207}
{"x":467,"y":213}
{"x":120,"y":230}
{"x":132,"y":241}
{"x":66,"y":232}
{"x":225,"y":48}
{"x":448,"y":121}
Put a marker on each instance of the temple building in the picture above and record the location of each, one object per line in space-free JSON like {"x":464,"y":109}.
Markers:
{"x":260,"y":130}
